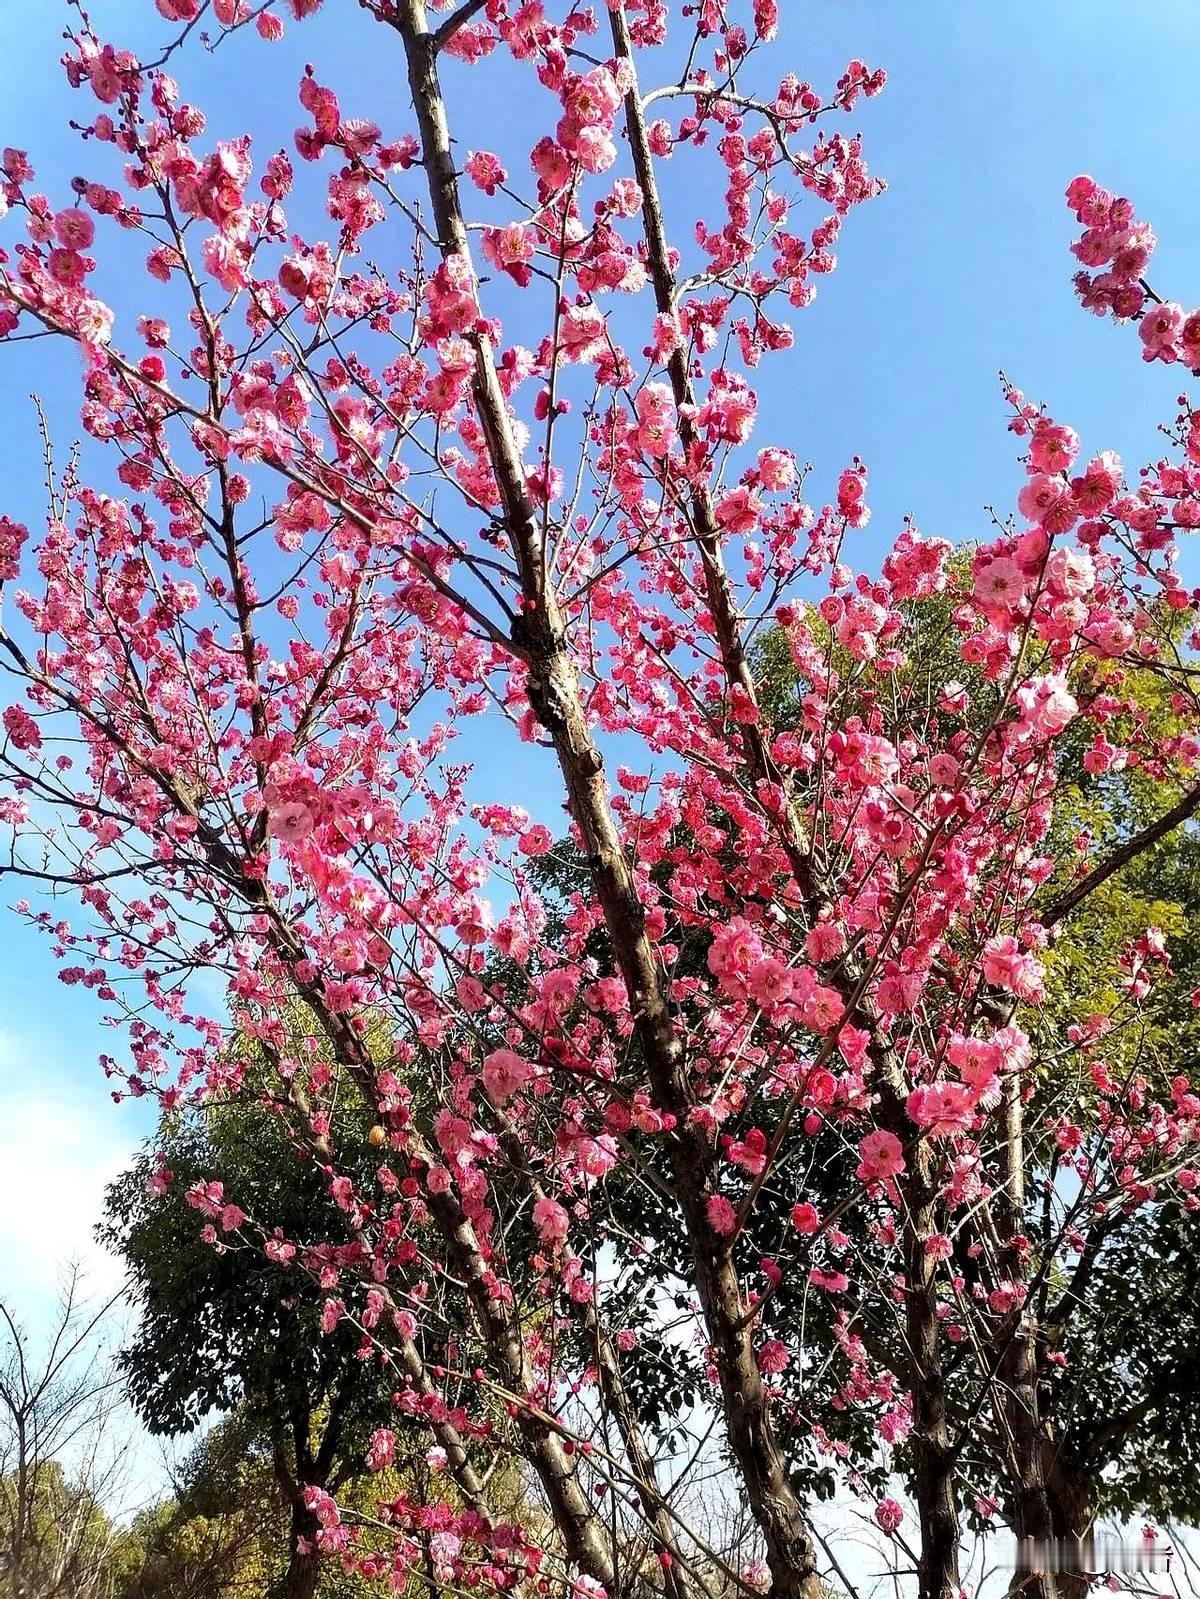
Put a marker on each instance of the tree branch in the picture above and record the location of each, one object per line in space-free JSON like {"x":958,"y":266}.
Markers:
{"x":1120,"y":858}
{"x":456,"y":20}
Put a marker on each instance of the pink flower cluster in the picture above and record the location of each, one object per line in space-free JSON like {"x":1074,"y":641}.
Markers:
{"x":1118,"y":244}
{"x":788,"y":921}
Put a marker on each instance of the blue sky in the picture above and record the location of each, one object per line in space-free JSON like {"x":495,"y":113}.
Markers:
{"x":961,"y":269}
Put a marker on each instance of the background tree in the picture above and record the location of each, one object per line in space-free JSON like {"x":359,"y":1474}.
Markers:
{"x":62,"y":1453}
{"x":226,"y":1331}
{"x":223,"y":1530}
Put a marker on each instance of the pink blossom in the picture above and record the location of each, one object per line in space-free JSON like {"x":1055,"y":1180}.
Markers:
{"x":1005,"y":965}
{"x":943,"y":770}
{"x":806,"y":1218}
{"x":823,"y":1009}
{"x":1160,"y":327}
{"x":1047,"y":705}
{"x":505,"y":1074}
{"x":881,"y":1157}
{"x":830,"y":1282}
{"x":511,"y":249}
{"x":208,"y":1198}
{"x":722,"y":1217}
{"x":655,"y":407}
{"x":291,"y":821}
{"x":757,"y":1576}
{"x":773,"y":1358}
{"x":1048,"y":500}
{"x":322,"y":1506}
{"x":825,"y":942}
{"x":770,"y":982}
{"x":776,"y":468}
{"x":21,"y":729}
{"x":1006,"y":1297}
{"x":750,"y":1153}
{"x":1053,"y":448}
{"x":889,"y":1515}
{"x":943,"y":1109}
{"x":739,"y":510}
{"x":582,"y":334}
{"x":594,"y":98}
{"x":74,"y":229}
{"x":852,"y":504}
{"x":551,"y":1221}
{"x":1071,"y":571}
{"x":1098,"y":485}
{"x":999,"y":582}
{"x":978,"y":1062}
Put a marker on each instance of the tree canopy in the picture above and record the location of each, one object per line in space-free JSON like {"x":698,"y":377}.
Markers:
{"x":814,"y":1116}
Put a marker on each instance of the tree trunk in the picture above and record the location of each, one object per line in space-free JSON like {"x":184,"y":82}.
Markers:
{"x":554,"y":694}
{"x":1014,"y":1384}
{"x":300,"y":1579}
{"x":303,"y":1569}
{"x":934,"y":1456}
{"x":1071,"y":1510}
{"x":22,"y":1515}
{"x":1037,"y":1573}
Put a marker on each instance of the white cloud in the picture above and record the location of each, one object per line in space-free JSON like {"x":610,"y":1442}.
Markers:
{"x":61,"y":1141}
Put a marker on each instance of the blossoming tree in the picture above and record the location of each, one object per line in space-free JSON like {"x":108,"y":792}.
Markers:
{"x":352,"y":511}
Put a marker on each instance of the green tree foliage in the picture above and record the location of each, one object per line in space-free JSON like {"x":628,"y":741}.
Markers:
{"x":225,"y":1330}
{"x":225,"y":1335}
{"x":71,"y":1548}
{"x":224,"y":1532}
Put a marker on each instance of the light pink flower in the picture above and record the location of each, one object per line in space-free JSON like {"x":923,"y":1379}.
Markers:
{"x":291,"y":821}
{"x":999,"y":583}
{"x":943,"y":1109}
{"x":551,"y":1221}
{"x":1047,"y":705}
{"x":1160,"y":327}
{"x":382,"y":1450}
{"x":505,"y":1074}
{"x":1071,"y":571}
{"x":776,"y":468}
{"x":881,"y":1157}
